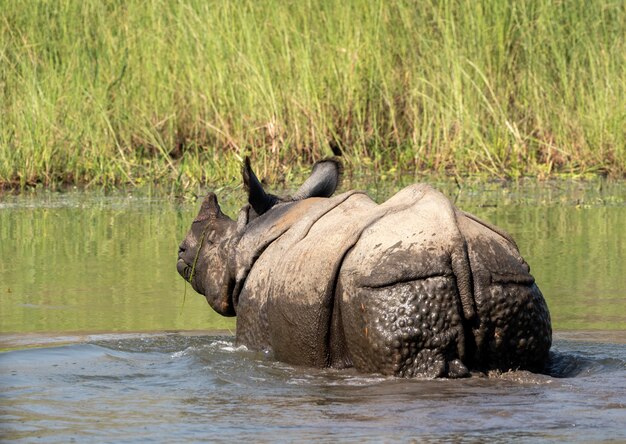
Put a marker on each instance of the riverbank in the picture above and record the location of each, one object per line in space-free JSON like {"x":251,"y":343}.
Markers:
{"x":106,"y":94}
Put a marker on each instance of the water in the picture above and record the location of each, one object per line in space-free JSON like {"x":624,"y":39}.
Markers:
{"x":88,"y":292}
{"x":202,"y":388}
{"x":96,"y":263}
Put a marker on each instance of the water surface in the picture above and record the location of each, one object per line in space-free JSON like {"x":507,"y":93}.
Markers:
{"x":98,"y":263}
{"x":182,"y":388}
{"x":86,"y":276}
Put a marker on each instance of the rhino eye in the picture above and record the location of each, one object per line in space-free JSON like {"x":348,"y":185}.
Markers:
{"x":210,"y":237}
{"x":207,"y":236}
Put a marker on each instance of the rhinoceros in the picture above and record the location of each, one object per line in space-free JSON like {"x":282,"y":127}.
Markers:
{"x":410,"y":287}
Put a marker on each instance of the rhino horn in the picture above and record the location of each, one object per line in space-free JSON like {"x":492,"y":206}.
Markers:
{"x":323,"y":181}
{"x":258,"y":199}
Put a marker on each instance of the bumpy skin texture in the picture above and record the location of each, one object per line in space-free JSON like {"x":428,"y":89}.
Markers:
{"x":411,"y":287}
{"x":343,"y":281}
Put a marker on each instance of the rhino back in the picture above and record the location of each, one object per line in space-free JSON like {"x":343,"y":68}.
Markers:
{"x":412,"y":286}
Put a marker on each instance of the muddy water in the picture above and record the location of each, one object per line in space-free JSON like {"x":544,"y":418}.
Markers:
{"x":79,"y":272}
{"x":181,"y":388}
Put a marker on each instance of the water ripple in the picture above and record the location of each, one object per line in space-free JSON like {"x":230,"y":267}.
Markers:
{"x":194,"y":388}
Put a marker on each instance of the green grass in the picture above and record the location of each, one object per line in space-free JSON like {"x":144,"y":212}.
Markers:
{"x":106,"y":93}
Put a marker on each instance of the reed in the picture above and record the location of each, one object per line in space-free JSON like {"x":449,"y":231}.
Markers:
{"x":105,"y":93}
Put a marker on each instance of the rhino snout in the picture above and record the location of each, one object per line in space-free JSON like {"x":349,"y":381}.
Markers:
{"x":185,"y":254}
{"x":183,"y":269}
{"x":183,"y":264}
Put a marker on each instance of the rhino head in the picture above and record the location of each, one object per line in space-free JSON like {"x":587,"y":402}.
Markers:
{"x":205,"y":257}
{"x":202,"y":259}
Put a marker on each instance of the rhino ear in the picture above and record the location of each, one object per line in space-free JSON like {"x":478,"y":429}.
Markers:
{"x":258,"y":199}
{"x":323,"y":181}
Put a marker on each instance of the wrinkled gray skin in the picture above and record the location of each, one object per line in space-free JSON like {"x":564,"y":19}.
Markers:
{"x":411,"y":287}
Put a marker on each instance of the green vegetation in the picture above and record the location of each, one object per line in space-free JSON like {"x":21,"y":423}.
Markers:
{"x":175,"y":92}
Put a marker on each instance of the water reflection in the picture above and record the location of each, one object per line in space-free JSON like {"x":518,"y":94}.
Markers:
{"x":83,"y":262}
{"x":92,"y":262}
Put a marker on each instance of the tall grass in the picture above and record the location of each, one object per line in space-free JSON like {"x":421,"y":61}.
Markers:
{"x":177,"y":91}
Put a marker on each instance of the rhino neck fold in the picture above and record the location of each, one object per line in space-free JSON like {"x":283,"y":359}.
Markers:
{"x":300,"y":293}
{"x":268,"y":228}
